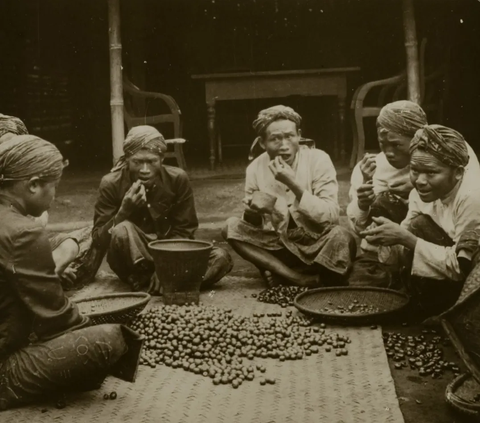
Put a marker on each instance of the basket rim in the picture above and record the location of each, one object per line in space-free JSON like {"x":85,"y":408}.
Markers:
{"x":455,"y":400}
{"x":458,"y":345}
{"x":154,"y":244}
{"x":349,"y":317}
{"x":146,"y":298}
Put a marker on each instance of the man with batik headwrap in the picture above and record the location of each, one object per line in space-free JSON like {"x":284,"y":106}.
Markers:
{"x":380,"y":184}
{"x":439,"y":236}
{"x":142,"y":200}
{"x":77,"y":261}
{"x":46,"y":346}
{"x":297,"y":240}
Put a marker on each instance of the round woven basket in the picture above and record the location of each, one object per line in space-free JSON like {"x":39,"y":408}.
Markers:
{"x":113,"y":308}
{"x":461,"y":393}
{"x":340,"y":305}
{"x":180,"y":265}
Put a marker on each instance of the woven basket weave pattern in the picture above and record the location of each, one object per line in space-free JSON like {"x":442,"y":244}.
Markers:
{"x":315,"y":301}
{"x":116,"y":308}
{"x":180,"y":270}
{"x":460,"y":392}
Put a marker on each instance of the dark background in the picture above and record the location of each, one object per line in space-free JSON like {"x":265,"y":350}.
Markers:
{"x":54,"y":66}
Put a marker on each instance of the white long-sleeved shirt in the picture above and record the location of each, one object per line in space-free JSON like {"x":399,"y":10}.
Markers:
{"x":453,"y":213}
{"x":315,"y":173}
{"x":385,"y":175}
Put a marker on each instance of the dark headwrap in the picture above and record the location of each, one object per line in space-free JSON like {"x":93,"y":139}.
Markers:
{"x":401,"y":117}
{"x":266,"y":117}
{"x":11,"y":125}
{"x":25,"y":156}
{"x":142,"y":137}
{"x":445,"y":144}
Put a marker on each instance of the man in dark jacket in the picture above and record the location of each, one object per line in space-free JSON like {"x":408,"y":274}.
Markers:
{"x":142,"y":200}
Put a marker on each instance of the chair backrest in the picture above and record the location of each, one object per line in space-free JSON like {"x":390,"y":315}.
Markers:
{"x":137,"y":104}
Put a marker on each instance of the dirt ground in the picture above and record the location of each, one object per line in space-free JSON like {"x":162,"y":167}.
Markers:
{"x":422,"y":399}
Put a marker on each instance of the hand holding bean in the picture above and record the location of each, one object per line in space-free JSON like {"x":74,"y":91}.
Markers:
{"x":368,"y":165}
{"x":365,"y":196}
{"x":388,"y":233}
{"x":135,"y":197}
{"x":282,"y":171}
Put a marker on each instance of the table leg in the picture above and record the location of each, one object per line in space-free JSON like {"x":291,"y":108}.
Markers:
{"x":219,"y":146}
{"x":211,"y":132}
{"x":342,"y":121}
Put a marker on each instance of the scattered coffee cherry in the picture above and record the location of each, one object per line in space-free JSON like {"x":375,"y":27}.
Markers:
{"x":281,"y":295}
{"x":421,"y":353}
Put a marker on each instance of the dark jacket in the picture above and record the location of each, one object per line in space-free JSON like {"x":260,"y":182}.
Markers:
{"x":169,"y":212}
{"x":33,"y":305}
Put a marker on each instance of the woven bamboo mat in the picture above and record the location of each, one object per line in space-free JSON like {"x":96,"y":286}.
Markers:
{"x":354,"y":388}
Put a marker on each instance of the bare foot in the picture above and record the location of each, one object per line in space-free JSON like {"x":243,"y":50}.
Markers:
{"x":271,"y":279}
{"x":309,"y":281}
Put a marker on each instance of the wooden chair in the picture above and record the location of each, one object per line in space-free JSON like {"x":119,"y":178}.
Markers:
{"x":433,"y":91}
{"x":136,"y":105}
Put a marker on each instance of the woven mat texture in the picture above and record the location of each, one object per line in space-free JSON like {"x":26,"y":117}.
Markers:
{"x":321,"y":388}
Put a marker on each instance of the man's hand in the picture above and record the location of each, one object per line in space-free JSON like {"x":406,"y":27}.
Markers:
{"x":368,"y":165}
{"x":389,"y":233}
{"x":135,"y":198}
{"x":365,"y":196}
{"x":282,"y":172}
{"x":402,"y":189}
{"x":68,"y":277}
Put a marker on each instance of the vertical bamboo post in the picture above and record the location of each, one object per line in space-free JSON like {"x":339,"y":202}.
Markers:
{"x":411,"y":49}
{"x":116,"y":83}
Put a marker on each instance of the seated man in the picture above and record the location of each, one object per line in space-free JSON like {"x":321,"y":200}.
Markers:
{"x":46,"y":346}
{"x":302,"y":239}
{"x":142,"y":200}
{"x":75,"y":258}
{"x":438,"y":237}
{"x":380,"y":184}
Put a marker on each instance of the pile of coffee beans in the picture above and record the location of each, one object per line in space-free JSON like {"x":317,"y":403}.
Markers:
{"x":423,"y":353}
{"x":220,"y":345}
{"x":281,"y":295}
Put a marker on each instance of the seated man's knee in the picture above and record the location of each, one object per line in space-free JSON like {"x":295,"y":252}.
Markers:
{"x":225,"y":232}
{"x":120,"y":231}
{"x":220,"y":263}
{"x":108,"y":341}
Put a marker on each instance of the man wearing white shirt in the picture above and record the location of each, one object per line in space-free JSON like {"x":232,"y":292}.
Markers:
{"x":439,"y":236}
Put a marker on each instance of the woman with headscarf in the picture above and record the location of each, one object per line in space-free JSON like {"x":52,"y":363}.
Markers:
{"x":46,"y":346}
{"x":142,"y":200}
{"x":297,"y":241}
{"x":439,"y":236}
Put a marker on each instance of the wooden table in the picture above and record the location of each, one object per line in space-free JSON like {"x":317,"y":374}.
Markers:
{"x":254,"y":85}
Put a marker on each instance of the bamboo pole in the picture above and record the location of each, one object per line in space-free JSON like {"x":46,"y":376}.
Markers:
{"x":116,"y":83}
{"x":411,"y":49}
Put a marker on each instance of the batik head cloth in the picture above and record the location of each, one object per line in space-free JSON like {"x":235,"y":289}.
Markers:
{"x":445,"y":144}
{"x":25,"y":156}
{"x":142,"y":137}
{"x":267,"y":116}
{"x":401,"y":117}
{"x":11,"y":125}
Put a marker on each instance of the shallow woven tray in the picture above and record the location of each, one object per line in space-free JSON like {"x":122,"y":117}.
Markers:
{"x":314,"y":302}
{"x":460,"y":395}
{"x":113,"y":308}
